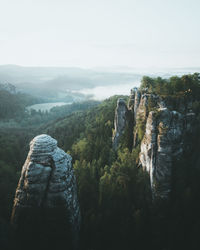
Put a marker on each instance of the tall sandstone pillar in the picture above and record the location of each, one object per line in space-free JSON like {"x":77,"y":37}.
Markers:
{"x":46,"y":211}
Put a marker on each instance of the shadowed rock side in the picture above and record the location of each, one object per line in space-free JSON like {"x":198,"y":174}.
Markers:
{"x":45,"y":207}
{"x":120,"y":121}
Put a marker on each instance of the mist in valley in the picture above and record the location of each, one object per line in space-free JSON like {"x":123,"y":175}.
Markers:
{"x":103,"y":166}
{"x":73,"y":84}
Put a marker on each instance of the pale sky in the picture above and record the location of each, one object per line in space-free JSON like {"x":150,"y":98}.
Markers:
{"x":100,"y":33}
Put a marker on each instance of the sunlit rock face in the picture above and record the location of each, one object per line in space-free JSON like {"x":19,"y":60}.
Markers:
{"x":161,"y":143}
{"x":119,"y":122}
{"x":159,"y":131}
{"x":140,"y":104}
{"x":46,"y":195}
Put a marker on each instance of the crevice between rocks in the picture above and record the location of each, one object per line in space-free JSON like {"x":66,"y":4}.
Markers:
{"x":52,"y":165}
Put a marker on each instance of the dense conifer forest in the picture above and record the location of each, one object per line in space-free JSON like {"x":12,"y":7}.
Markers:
{"x":114,"y":192}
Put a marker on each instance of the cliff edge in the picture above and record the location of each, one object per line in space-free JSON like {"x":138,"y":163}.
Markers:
{"x":159,"y":130}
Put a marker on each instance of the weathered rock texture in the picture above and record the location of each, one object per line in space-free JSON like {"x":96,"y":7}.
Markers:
{"x":120,"y":122}
{"x":46,"y":195}
{"x":163,"y":143}
{"x":160,"y":132}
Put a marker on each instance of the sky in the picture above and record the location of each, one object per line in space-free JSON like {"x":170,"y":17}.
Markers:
{"x":100,"y":33}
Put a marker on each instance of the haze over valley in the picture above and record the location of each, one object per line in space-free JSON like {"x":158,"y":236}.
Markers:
{"x":99,"y":125}
{"x":67,"y":85}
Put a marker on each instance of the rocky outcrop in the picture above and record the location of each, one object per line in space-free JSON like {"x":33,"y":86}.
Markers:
{"x":46,"y":196}
{"x":119,"y":122}
{"x":141,"y":103}
{"x":163,"y":143}
{"x":134,"y":115}
{"x":159,"y":131}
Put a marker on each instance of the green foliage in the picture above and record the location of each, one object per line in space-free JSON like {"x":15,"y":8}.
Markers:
{"x":114,"y":193}
{"x":13,"y":105}
{"x":151,"y":104}
{"x":13,"y":150}
{"x":141,"y":130}
{"x":186,"y":85}
{"x":35,"y":118}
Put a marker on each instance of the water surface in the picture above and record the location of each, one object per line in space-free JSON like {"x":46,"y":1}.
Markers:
{"x":46,"y":106}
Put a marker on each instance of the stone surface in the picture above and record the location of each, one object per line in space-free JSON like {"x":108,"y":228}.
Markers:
{"x":159,"y":130}
{"x":119,"y":122}
{"x":140,"y":109}
{"x":163,"y":143}
{"x":47,"y":183}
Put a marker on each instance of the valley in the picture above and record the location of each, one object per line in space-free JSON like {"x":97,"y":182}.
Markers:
{"x":144,"y":184}
{"x":46,"y":106}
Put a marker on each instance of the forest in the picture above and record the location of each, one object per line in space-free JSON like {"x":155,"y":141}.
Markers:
{"x":114,"y":193}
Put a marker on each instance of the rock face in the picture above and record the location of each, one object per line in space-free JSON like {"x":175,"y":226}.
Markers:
{"x":159,"y":131}
{"x":120,"y":121}
{"x":139,"y":105}
{"x":163,"y":143}
{"x":47,"y":190}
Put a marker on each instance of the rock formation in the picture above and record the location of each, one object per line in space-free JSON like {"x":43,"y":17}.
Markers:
{"x":163,"y":143}
{"x":160,"y":132}
{"x":46,"y":196}
{"x":120,"y":121}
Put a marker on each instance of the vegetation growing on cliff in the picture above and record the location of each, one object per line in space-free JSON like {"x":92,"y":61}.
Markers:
{"x":179,"y":93}
{"x":187,"y":85}
{"x":114,"y":193}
